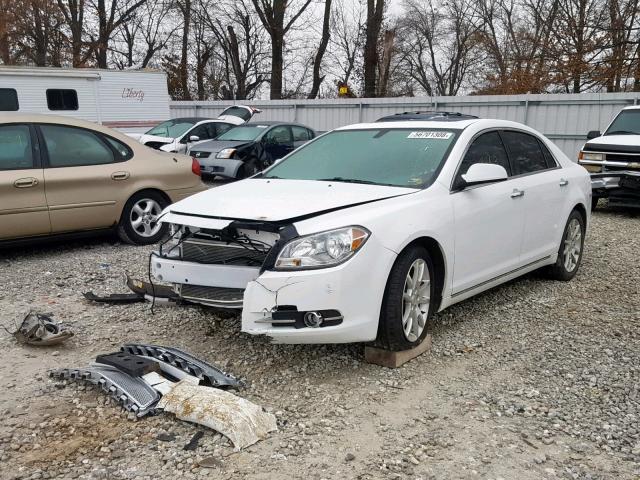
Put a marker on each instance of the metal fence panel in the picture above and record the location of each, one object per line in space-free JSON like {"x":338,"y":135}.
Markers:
{"x":565,"y":119}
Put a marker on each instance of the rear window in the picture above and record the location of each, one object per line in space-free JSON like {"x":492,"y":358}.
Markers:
{"x":62,"y":99}
{"x":398,"y":157}
{"x":8,"y":100}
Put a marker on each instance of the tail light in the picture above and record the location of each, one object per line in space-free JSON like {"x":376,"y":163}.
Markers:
{"x":195,"y":167}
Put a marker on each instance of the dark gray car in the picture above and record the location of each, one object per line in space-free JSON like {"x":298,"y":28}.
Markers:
{"x":247,"y":149}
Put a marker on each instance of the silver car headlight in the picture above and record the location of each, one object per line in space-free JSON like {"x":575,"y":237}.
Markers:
{"x":324,"y":249}
{"x":226,"y":153}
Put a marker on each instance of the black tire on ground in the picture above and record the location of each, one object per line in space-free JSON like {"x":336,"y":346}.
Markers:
{"x":128,"y":232}
{"x":594,"y":203}
{"x":559,"y":270}
{"x":248,"y":169}
{"x":391,"y":334}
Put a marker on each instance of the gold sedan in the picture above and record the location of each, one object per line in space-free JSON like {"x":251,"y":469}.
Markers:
{"x":60,"y":175}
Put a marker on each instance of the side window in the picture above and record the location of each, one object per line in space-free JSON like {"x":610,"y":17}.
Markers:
{"x":73,"y":147}
{"x":300,"y":134}
{"x":15,"y":147}
{"x":62,"y":99}
{"x":122,"y":150}
{"x":200,"y":131}
{"x":280,"y":135}
{"x":551,"y":162}
{"x":487,"y":148}
{"x":525,"y":152}
{"x":8,"y":100}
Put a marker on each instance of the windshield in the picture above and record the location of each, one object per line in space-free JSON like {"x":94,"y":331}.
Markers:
{"x":243,"y":132}
{"x":171,"y":128}
{"x":626,"y":123}
{"x":398,"y":157}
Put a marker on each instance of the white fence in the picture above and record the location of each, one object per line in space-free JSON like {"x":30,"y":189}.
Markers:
{"x":565,"y":119}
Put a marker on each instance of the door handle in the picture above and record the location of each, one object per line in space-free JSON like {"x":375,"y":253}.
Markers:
{"x":119,"y":175}
{"x":25,"y":182}
{"x":564,"y":182}
{"x":517,"y":193}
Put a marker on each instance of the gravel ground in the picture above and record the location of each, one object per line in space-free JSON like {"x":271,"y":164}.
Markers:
{"x":533,"y":380}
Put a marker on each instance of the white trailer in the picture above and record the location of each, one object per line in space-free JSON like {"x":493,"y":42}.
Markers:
{"x":127,"y":100}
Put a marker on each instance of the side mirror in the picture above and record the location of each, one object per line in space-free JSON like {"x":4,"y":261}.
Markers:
{"x":593,"y":134}
{"x":194,"y":138}
{"x":484,"y":173}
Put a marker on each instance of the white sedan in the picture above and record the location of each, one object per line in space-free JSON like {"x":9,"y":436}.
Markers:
{"x":365,"y":232}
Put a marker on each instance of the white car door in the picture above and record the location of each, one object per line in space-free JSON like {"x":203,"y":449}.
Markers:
{"x":544,"y":190}
{"x":489,"y":220}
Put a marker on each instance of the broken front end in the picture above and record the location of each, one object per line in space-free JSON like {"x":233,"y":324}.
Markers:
{"x":291,"y":287}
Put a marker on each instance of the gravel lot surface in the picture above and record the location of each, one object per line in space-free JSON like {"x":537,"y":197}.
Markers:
{"x":533,"y":380}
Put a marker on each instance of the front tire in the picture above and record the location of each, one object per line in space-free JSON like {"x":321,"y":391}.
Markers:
{"x":138,"y":223}
{"x":571,"y":248}
{"x":407,"y":305}
{"x":248,"y":169}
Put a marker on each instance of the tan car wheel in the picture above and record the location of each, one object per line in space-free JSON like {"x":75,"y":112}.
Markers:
{"x":139,"y":222}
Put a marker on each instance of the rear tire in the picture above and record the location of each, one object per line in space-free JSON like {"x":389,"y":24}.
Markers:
{"x":594,"y":203}
{"x":570,"y":251}
{"x":138,"y":225}
{"x":407,"y":306}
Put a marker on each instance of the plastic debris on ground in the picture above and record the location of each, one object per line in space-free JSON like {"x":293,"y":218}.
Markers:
{"x":41,"y":330}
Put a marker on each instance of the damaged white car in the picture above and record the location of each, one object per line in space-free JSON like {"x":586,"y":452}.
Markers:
{"x":367,"y":231}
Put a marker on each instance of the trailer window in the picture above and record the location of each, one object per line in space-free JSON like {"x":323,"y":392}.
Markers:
{"x":58,"y":99}
{"x":8,"y":100}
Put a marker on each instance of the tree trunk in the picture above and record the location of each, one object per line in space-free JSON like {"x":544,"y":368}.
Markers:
{"x":322,"y":48}
{"x":375,"y":9}
{"x":277,"y":63}
{"x":183,"y":70}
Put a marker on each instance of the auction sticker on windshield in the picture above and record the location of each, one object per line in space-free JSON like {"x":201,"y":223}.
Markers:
{"x":434,"y":135}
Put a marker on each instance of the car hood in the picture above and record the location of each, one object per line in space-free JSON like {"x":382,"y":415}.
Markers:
{"x":216,"y":145}
{"x":273,"y":200}
{"x":144,"y":138}
{"x":626,"y":143}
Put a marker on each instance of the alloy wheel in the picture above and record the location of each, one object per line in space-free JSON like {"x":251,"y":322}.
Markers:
{"x":572,"y":245}
{"x":144,"y":217}
{"x":415,"y":300}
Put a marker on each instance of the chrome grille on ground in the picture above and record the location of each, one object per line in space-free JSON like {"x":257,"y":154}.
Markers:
{"x":207,"y":251}
{"x":230,"y":297}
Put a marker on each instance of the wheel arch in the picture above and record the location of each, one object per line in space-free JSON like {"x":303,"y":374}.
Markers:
{"x":439,"y":263}
{"x":580,"y":208}
{"x":162,"y":193}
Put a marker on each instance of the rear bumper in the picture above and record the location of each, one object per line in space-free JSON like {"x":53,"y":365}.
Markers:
{"x":352,"y":292}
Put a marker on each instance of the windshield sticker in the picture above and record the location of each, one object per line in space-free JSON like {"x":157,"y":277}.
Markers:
{"x":434,"y":135}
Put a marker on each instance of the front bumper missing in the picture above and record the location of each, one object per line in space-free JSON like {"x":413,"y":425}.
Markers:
{"x":622,"y":188}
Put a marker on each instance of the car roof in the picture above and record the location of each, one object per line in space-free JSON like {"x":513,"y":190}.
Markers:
{"x":272,"y":123}
{"x":442,"y":116}
{"x":411,"y":124}
{"x":190,"y":119}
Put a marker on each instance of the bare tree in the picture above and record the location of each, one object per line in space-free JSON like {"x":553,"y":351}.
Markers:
{"x":347,"y":40}
{"x":322,"y":48}
{"x":109,"y":18}
{"x":185,"y":9}
{"x":375,"y":15}
{"x":441,"y":43}
{"x":273,"y":15}
{"x":240,"y":47}
{"x":74,"y":14}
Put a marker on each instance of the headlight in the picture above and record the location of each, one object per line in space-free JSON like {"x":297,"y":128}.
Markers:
{"x":591,"y":156}
{"x":169,"y":247}
{"x":226,"y":153}
{"x":324,"y":249}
